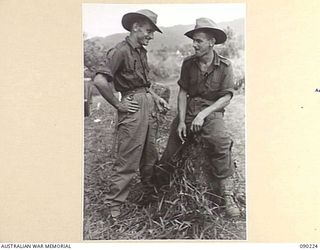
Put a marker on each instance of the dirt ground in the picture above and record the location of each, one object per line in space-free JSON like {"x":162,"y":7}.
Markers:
{"x":98,"y":160}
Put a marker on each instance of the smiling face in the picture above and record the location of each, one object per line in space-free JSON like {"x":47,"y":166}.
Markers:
{"x":202,"y":43}
{"x":144,"y":32}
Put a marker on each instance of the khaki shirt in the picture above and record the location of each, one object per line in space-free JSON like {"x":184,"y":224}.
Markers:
{"x":126,"y":65}
{"x":210,"y":85}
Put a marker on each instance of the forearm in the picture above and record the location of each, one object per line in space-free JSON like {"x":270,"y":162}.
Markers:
{"x":182,"y":105}
{"x":106,"y":90}
{"x":221,"y":103}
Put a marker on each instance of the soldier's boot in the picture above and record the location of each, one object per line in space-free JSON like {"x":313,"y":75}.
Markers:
{"x":162,"y":175}
{"x":226,"y":189}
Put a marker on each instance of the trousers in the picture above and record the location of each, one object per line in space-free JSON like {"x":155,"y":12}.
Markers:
{"x":214,"y":132}
{"x":136,"y":148}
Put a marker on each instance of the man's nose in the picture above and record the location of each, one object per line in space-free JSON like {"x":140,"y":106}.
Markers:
{"x":194,"y":44}
{"x":151,"y":36}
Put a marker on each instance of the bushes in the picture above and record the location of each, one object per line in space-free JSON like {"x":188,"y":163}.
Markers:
{"x":165,"y":62}
{"x":165,"y":65}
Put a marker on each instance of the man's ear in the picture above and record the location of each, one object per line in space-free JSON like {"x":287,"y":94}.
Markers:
{"x":135,"y":26}
{"x":213,"y":41}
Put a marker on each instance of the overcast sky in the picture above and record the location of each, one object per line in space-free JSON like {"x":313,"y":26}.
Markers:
{"x":105,"y":19}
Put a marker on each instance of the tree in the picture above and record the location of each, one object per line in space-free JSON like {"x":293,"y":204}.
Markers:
{"x":230,"y":48}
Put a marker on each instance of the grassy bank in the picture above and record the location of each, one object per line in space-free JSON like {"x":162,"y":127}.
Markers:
{"x":160,"y":220}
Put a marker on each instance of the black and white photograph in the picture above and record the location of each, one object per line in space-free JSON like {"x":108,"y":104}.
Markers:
{"x":164,"y":122}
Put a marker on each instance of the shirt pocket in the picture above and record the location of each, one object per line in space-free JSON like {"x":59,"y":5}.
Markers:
{"x":130,"y":69}
{"x":213,"y":82}
{"x":130,"y":65}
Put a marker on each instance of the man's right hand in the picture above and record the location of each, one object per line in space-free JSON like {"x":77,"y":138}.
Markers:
{"x":182,"y":131}
{"x":128,"y":105}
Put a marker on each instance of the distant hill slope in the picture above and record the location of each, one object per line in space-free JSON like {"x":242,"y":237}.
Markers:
{"x":172,"y":36}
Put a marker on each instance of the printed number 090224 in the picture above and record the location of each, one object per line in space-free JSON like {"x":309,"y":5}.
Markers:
{"x":309,"y":246}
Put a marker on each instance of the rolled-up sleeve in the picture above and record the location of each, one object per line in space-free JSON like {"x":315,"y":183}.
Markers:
{"x":111,"y":64}
{"x":183,"y":81}
{"x":227,"y":85}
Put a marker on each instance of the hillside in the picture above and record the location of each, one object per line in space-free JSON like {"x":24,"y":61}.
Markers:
{"x":172,"y":37}
{"x":167,"y":50}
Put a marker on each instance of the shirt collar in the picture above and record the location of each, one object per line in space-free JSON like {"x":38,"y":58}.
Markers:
{"x":134,"y":45}
{"x":216,"y":59}
{"x":215,"y":62}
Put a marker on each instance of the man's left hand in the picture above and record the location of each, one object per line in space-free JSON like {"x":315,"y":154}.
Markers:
{"x":162,"y":105}
{"x":197,"y":123}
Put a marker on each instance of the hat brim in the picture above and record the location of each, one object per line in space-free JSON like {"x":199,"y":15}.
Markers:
{"x":129,"y":18}
{"x":218,"y":34}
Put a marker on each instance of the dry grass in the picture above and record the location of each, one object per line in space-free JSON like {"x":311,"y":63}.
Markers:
{"x":188,"y":210}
